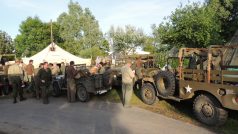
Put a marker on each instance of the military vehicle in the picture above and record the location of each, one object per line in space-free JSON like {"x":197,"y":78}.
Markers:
{"x":149,"y":66}
{"x":207,"y":76}
{"x":86,"y":83}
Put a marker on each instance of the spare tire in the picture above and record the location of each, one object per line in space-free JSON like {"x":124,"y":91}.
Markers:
{"x":165,"y":83}
{"x":107,"y":78}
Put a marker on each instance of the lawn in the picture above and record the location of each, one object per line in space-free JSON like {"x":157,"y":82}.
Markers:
{"x":176,"y":110}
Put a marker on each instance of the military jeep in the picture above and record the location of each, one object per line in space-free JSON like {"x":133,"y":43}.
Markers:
{"x":208,"y":76}
{"x":86,"y":84}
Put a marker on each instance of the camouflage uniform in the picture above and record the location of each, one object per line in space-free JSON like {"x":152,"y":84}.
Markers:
{"x":127,"y":84}
{"x":15,"y":74}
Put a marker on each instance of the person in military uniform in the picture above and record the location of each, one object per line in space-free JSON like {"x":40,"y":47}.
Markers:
{"x":30,"y":74}
{"x":71,"y":87}
{"x":101,"y":68}
{"x":127,"y":83}
{"x":15,"y":74}
{"x":5,"y":79}
{"x":37,"y":81}
{"x":62,"y":68}
{"x":45,"y":78}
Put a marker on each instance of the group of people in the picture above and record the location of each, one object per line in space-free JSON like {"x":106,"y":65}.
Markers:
{"x":35,"y":80}
{"x":39,"y":80}
{"x":20,"y":75}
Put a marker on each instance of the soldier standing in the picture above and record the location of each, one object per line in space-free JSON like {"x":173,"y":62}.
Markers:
{"x":55,"y":69}
{"x":30,"y":74}
{"x":62,"y":68}
{"x":5,"y":79}
{"x":15,"y":74}
{"x":37,"y":81}
{"x":71,"y":87}
{"x":127,"y":83}
{"x":45,"y":78}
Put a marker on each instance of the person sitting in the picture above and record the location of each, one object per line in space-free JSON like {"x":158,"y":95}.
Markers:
{"x":101,"y":69}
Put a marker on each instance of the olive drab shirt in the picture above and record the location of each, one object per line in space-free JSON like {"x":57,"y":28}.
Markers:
{"x":127,"y":74}
{"x":71,"y":72}
{"x":15,"y":70}
{"x":45,"y":74}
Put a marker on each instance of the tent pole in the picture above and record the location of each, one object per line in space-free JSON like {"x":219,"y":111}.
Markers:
{"x":51,"y":32}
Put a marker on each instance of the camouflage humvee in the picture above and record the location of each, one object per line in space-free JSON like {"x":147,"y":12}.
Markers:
{"x":208,"y":76}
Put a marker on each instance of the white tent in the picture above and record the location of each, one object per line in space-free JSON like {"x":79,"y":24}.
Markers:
{"x":57,"y":54}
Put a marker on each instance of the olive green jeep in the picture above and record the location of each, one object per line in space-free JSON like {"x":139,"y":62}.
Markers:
{"x":208,"y":76}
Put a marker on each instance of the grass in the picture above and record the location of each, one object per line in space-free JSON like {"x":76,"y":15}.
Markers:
{"x":176,"y":110}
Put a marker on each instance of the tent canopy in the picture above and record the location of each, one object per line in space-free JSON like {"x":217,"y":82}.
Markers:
{"x":57,"y":54}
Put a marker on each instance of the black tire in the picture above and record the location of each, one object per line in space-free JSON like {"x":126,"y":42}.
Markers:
{"x":148,"y":95}
{"x":107,"y":78}
{"x":165,"y":83}
{"x":208,"y":110}
{"x":82,"y":94}
{"x":56,"y":89}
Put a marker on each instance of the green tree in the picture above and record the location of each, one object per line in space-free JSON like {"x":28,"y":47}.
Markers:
{"x":80,"y":31}
{"x":34,"y":36}
{"x":194,"y":25}
{"x":227,"y":11}
{"x":6,"y":44}
{"x":125,"y":40}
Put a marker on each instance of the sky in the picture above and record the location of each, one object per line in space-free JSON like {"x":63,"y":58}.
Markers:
{"x":139,"y":13}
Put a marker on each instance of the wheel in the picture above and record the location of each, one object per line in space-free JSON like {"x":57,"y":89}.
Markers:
{"x":165,"y":83}
{"x":82,"y":94}
{"x":148,"y":94}
{"x":209,"y":111}
{"x":56,"y":89}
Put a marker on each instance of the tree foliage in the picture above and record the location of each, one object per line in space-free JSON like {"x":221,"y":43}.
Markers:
{"x":192,"y":26}
{"x":34,"y":36}
{"x":200,"y":25}
{"x":6,"y":44}
{"x":80,"y":30}
{"x":227,"y":11}
{"x":125,"y":40}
